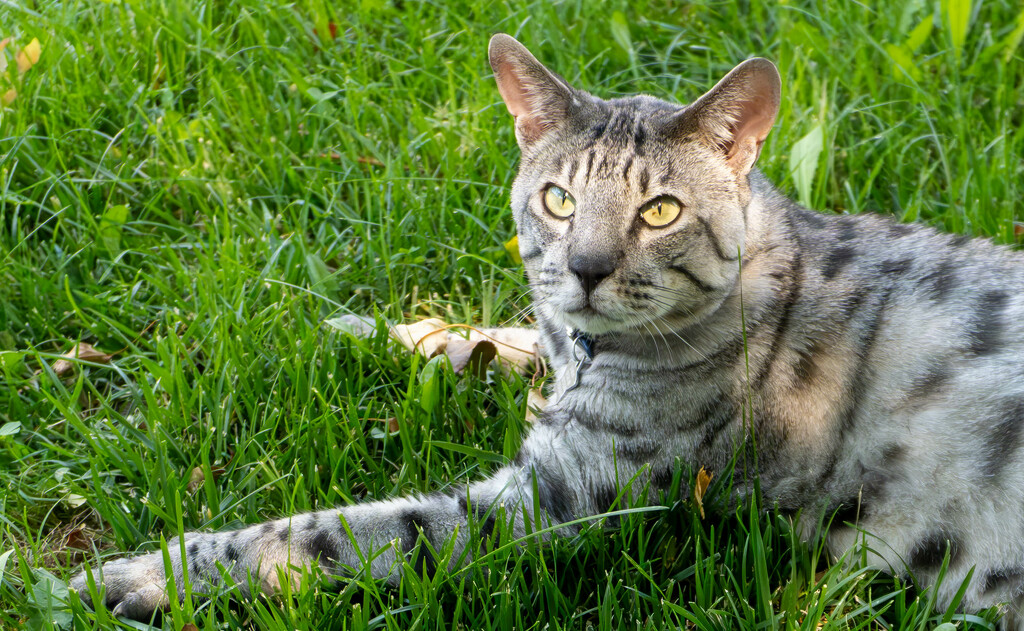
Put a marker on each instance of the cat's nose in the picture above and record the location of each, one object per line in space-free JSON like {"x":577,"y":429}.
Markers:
{"x":591,"y":269}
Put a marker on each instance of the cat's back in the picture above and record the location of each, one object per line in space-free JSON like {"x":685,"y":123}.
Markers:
{"x":927,"y":440}
{"x":900,"y":356}
{"x":910,"y":287}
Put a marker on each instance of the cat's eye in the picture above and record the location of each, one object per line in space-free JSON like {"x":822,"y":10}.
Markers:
{"x":558,"y":202}
{"x":660,"y":212}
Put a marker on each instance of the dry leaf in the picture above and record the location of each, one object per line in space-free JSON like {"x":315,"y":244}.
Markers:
{"x":700,"y":487}
{"x":332,"y":30}
{"x":426,"y":336}
{"x":198,"y":477}
{"x":515,"y":359}
{"x":517,"y":348}
{"x":535,"y":404}
{"x":9,"y":96}
{"x":29,"y":55}
{"x":392,"y":423}
{"x":368,"y":160}
{"x":189,"y":627}
{"x":78,"y":539}
{"x":471,"y":355}
{"x":64,"y":543}
{"x":1018,"y":229}
{"x":81,"y":351}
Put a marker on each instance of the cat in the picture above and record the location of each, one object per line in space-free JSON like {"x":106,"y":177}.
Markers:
{"x":878,"y":377}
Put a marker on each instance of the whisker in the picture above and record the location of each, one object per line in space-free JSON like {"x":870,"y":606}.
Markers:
{"x":657,"y":349}
{"x":659,"y":300}
{"x":687,"y":342}
{"x":519,"y":317}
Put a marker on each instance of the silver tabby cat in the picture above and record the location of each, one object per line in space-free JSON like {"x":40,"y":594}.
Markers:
{"x":882,"y":365}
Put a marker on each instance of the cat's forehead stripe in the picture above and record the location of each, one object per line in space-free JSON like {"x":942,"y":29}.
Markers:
{"x":611,"y":144}
{"x":667,"y":175}
{"x":621,"y":126}
{"x":639,"y":137}
{"x":573,"y":166}
{"x":598,"y":164}
{"x":619,"y":122}
{"x":605,"y":165}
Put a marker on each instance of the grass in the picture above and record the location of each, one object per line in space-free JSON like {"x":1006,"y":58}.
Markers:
{"x":195,"y":187}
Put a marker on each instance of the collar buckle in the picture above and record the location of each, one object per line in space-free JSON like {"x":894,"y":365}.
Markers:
{"x":582,"y":352}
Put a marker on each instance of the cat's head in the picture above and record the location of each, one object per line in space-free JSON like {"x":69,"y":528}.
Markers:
{"x":631,"y":212}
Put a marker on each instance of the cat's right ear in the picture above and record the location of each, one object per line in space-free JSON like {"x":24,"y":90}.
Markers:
{"x":538,"y":98}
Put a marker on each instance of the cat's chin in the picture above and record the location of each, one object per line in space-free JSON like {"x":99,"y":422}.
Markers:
{"x":591,"y":322}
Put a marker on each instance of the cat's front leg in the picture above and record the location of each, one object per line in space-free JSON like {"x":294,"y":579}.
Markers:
{"x":380,"y":533}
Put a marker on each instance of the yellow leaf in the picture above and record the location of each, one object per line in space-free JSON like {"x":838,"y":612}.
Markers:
{"x":29,"y":55}
{"x":1013,"y":40}
{"x":919,"y":35}
{"x":512,"y":247}
{"x":700,"y":487}
{"x":957,"y":16}
{"x":903,"y":62}
{"x":9,"y":96}
{"x":34,"y":50}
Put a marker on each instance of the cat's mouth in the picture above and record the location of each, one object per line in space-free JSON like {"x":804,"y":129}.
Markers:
{"x":590,"y":319}
{"x":586,"y":310}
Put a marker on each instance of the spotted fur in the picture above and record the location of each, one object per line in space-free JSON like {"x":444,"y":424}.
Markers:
{"x":881,"y":362}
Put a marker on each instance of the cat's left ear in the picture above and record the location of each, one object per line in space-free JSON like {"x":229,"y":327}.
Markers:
{"x":736,"y":115}
{"x":537,"y":97}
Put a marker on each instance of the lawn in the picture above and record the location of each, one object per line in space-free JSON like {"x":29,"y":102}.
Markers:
{"x":194,"y":189}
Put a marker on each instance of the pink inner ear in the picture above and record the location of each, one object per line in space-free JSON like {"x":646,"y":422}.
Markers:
{"x":753,"y":120}
{"x":512,"y":90}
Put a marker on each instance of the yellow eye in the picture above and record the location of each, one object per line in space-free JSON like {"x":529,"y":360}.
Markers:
{"x":558,"y":202}
{"x":660,"y":212}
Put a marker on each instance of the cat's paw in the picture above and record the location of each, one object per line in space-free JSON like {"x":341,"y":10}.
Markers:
{"x":131,"y":587}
